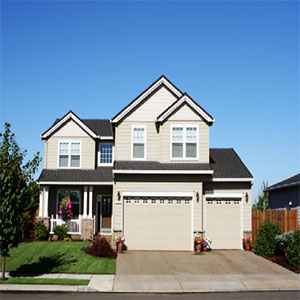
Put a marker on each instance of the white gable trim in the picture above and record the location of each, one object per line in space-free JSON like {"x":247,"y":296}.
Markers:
{"x":233,"y":179}
{"x":188,"y":100}
{"x":163,"y":172}
{"x":163,"y":80}
{"x":70,"y":115}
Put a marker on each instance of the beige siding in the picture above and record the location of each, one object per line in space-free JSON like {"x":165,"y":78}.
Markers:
{"x":156,"y":186}
{"x":185,"y":113}
{"x":71,"y":131}
{"x":153,"y":106}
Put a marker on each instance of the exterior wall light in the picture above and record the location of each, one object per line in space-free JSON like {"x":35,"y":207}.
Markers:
{"x":197,"y":197}
{"x":119,"y":196}
{"x":247,"y":197}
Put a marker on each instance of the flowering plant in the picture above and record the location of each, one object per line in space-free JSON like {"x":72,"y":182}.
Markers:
{"x":119,"y":238}
{"x":65,"y":209}
{"x":246,"y":242}
{"x":197,"y":238}
{"x":208,"y":243}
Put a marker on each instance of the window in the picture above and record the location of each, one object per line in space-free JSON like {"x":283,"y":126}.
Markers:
{"x":106,"y":153}
{"x":170,"y":201}
{"x":209,"y":202}
{"x":74,"y":196}
{"x":186,"y":201}
{"x":136,"y":201}
{"x":145,"y":201}
{"x":138,"y":142}
{"x":153,"y":201}
{"x":127,"y":200}
{"x":69,"y":154}
{"x":219,"y":201}
{"x":236,"y":201}
{"x":178,"y":201}
{"x":184,"y":141}
{"x":161,"y":201}
{"x":227,"y":201}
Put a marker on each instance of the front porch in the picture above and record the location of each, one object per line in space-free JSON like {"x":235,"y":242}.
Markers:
{"x":91,"y":207}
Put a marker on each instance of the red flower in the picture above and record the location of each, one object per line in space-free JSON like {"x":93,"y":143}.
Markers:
{"x":243,"y":240}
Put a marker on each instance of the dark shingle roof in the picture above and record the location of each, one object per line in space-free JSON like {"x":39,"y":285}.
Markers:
{"x":227,"y":164}
{"x":100,"y":127}
{"x":103,"y":174}
{"x":292,"y":181}
{"x":155,"y":165}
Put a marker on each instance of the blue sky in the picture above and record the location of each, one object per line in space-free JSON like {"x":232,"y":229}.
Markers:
{"x":239,"y":60}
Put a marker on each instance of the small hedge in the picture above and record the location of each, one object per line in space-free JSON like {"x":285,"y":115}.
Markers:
{"x":101,"y":248}
{"x":293,"y":251}
{"x":41,"y":232}
{"x":61,"y":231}
{"x":283,"y":242}
{"x":266,"y":242}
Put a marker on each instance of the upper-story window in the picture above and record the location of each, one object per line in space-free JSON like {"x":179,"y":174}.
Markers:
{"x":184,"y":142}
{"x":139,"y":142}
{"x":69,"y":154}
{"x":105,"y":154}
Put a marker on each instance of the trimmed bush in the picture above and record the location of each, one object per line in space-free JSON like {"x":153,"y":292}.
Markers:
{"x":294,"y":250}
{"x":266,"y":242}
{"x":283,"y":242}
{"x":41,"y":232}
{"x":61,"y":231}
{"x":101,"y":248}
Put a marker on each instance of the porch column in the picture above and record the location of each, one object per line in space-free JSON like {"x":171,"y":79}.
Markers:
{"x":41,"y":208}
{"x":46,"y":193}
{"x":85,"y":195}
{"x":91,"y":202}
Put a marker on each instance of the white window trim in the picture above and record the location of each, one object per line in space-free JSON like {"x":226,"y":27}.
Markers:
{"x":184,"y":126}
{"x":113,"y":154}
{"x":69,"y":154}
{"x":145,"y":141}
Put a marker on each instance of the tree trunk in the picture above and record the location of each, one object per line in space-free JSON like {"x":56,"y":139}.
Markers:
{"x":3,"y":267}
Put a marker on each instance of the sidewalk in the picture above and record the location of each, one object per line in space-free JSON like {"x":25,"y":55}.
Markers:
{"x":165,"y":283}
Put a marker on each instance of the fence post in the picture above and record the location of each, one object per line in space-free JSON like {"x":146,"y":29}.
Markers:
{"x":285,"y":220}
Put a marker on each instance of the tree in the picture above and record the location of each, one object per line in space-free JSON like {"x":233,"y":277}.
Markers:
{"x":262,"y":201}
{"x":17,"y":188}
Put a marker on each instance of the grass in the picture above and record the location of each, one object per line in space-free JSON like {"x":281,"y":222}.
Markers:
{"x":57,"y":281}
{"x":56,"y":257}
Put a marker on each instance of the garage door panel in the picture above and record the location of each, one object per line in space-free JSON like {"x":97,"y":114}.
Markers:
{"x":158,"y":226}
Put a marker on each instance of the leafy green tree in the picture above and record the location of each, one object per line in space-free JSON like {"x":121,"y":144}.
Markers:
{"x":16,"y":190}
{"x":262,"y":201}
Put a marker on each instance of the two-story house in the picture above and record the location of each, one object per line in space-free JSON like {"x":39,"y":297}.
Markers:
{"x":148,"y":173}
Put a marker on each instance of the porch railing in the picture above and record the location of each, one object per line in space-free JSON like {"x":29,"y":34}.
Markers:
{"x":74,"y":224}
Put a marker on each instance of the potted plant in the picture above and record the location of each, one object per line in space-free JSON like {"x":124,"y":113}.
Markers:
{"x":197,"y":243}
{"x":119,"y":241}
{"x":208,"y":243}
{"x":247,"y":243}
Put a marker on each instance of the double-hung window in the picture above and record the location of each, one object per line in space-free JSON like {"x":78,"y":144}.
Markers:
{"x":139,"y":142}
{"x":105,"y":154}
{"x":184,"y":140}
{"x":69,"y":154}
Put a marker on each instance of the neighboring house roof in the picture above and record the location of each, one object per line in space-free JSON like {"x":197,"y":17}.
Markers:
{"x":98,"y":175}
{"x":185,"y":99}
{"x":95,"y":128}
{"x":292,"y":181}
{"x":227,"y":164}
{"x":161,"y":81}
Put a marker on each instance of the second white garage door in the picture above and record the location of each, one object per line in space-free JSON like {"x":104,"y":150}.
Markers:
{"x":158,"y":223}
{"x":223,"y":222}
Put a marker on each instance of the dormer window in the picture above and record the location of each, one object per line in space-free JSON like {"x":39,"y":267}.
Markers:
{"x":69,"y":154}
{"x":139,"y":142}
{"x":105,"y":154}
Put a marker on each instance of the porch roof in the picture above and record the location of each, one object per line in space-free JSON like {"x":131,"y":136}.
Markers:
{"x":101,"y":175}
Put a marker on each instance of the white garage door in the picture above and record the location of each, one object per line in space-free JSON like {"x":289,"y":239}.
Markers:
{"x":223,"y":222}
{"x":158,"y":223}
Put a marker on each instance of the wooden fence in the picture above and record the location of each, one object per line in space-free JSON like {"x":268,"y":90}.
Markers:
{"x":285,"y":219}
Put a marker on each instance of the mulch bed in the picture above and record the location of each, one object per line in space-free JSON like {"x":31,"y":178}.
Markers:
{"x":282,"y":261}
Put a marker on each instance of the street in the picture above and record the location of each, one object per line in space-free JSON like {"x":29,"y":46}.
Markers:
{"x":288,"y":295}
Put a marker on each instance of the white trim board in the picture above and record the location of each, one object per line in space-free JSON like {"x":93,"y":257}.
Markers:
{"x":157,"y":194}
{"x":75,"y":183}
{"x":232,"y":179}
{"x":163,"y":172}
{"x":223,"y":195}
{"x":162,"y":80}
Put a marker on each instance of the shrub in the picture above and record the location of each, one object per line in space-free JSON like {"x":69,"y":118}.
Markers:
{"x":61,"y":231}
{"x":294,"y":250}
{"x":266,"y":243}
{"x":101,"y":248}
{"x":283,"y":241}
{"x":41,"y":232}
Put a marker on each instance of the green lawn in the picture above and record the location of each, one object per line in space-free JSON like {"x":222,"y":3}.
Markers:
{"x":56,"y":257}
{"x":57,"y":281}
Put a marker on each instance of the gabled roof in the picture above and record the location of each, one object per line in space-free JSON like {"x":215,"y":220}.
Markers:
{"x":292,"y":181}
{"x":161,"y":81}
{"x":185,"y":99}
{"x":95,"y":128}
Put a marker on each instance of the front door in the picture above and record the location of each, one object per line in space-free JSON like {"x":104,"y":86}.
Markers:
{"x":104,"y":213}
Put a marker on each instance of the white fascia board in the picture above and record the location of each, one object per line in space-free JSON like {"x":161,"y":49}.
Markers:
{"x":232,"y":179}
{"x":106,"y":137}
{"x":278,"y":187}
{"x":157,"y":193}
{"x":70,"y":115}
{"x":192,"y":104}
{"x":163,"y":171}
{"x":74,"y":183}
{"x":223,"y":195}
{"x":163,"y":80}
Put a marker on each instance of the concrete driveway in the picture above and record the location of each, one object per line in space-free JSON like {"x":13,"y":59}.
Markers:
{"x":216,"y":262}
